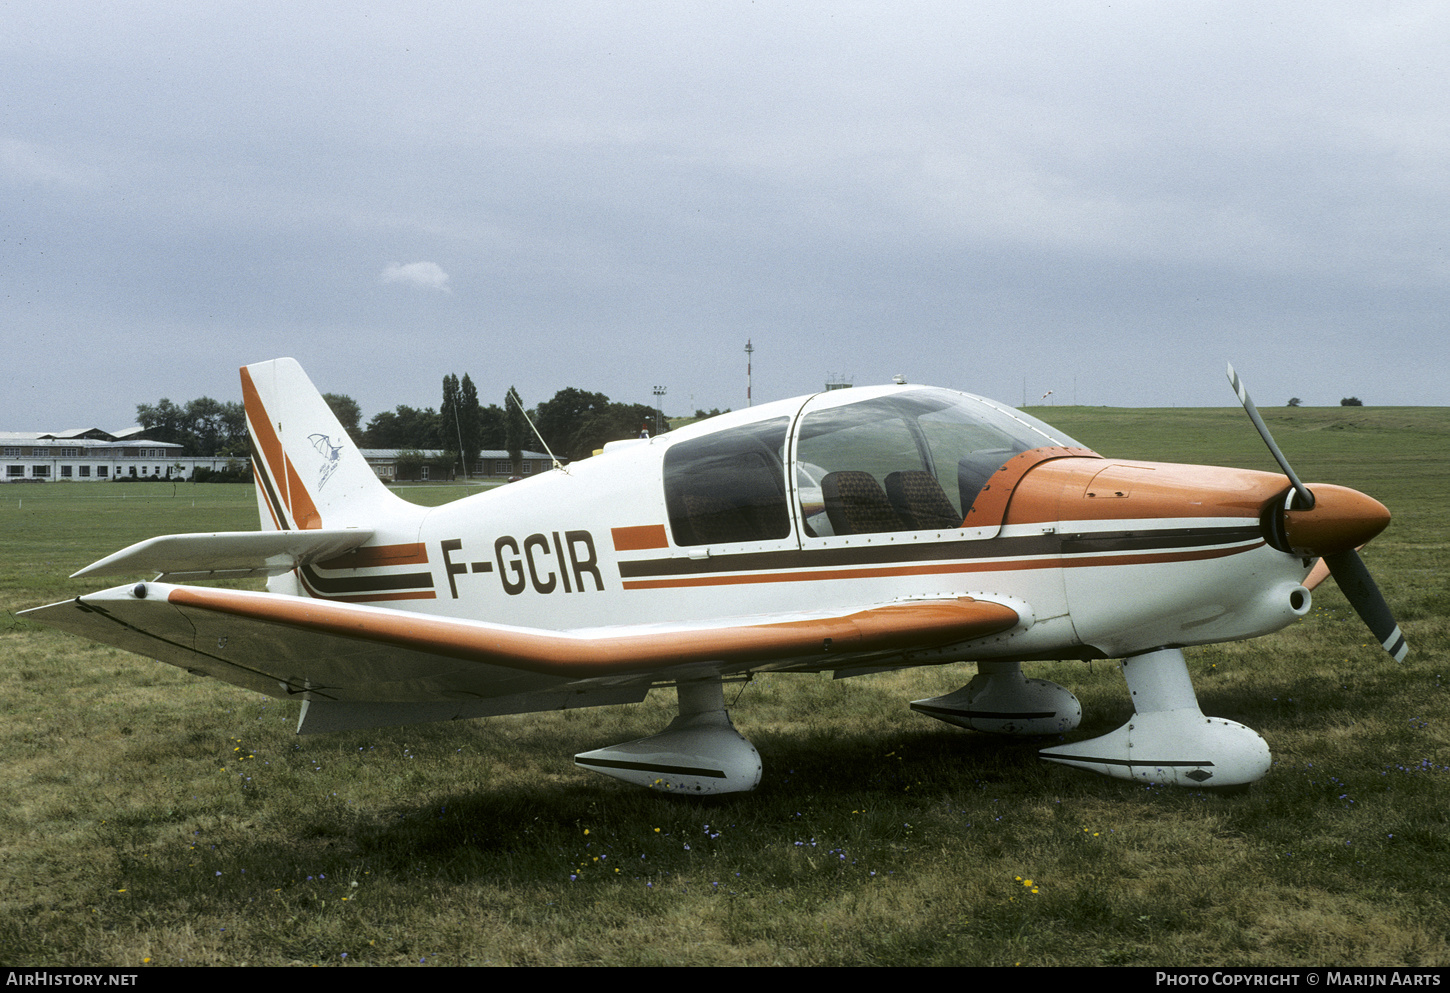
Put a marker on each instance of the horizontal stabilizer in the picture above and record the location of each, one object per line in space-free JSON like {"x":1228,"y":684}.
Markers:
{"x":227,"y":554}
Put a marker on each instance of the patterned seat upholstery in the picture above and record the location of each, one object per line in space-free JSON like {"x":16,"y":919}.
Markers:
{"x":920,"y":501}
{"x":856,"y":503}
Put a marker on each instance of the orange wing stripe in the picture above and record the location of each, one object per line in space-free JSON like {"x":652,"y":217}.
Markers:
{"x":897,"y":626}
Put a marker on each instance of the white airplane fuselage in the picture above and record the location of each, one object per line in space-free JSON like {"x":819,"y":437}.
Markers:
{"x":589,"y":547}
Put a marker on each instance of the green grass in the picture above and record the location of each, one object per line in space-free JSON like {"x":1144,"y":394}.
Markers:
{"x":146,"y":815}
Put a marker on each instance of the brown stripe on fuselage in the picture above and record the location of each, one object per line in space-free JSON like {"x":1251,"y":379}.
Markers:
{"x":390,"y":581}
{"x":379,"y":556}
{"x":944,"y":568}
{"x":888,"y":553}
{"x":367,"y":589}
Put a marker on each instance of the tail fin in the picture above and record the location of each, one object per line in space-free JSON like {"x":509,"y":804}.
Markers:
{"x":309,"y":473}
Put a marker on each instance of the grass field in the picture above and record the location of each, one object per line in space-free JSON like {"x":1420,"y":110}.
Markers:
{"x":151,"y":818}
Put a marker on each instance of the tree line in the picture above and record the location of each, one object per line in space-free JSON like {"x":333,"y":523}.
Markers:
{"x":205,"y":426}
{"x":573,"y":424}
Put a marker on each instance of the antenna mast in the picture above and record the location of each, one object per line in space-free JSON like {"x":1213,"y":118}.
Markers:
{"x":749,"y":348}
{"x":557,"y":464}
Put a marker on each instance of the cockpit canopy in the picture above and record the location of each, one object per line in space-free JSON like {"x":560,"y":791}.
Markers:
{"x":909,"y":459}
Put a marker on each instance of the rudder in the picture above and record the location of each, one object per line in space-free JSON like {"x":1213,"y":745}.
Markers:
{"x":309,"y":473}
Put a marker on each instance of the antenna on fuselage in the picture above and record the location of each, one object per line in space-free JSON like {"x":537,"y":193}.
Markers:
{"x":512,"y":393}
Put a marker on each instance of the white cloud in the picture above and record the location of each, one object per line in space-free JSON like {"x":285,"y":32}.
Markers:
{"x":428,"y":275}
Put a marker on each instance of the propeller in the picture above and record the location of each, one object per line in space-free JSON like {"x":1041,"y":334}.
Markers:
{"x":1331,"y":524}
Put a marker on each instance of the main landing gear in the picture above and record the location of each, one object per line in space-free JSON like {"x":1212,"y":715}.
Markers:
{"x":1000,"y":700}
{"x":1168,"y":740}
{"x":700,"y":752}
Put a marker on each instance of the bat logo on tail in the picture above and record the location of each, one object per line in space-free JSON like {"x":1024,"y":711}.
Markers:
{"x":325,"y":447}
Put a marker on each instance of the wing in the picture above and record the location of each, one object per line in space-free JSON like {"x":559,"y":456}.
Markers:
{"x":378,"y":657}
{"x":228,"y":554}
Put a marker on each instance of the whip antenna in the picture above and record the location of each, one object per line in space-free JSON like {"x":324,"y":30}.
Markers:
{"x":557,"y":464}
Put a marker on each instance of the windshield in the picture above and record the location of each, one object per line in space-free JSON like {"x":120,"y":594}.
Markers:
{"x":906,"y":462}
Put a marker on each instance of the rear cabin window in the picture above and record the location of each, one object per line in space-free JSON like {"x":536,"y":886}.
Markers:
{"x":729,"y":486}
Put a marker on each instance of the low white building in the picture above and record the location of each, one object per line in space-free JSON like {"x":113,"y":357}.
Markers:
{"x":90,"y":455}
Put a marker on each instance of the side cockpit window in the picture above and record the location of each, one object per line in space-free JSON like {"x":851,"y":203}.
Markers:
{"x":912,"y":461}
{"x":729,"y":486}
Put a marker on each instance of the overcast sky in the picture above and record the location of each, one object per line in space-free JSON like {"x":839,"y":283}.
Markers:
{"x":1103,"y":200}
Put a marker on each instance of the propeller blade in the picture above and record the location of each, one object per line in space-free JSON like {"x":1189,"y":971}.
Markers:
{"x":1359,"y":588}
{"x":1306,"y":499}
{"x":1345,"y":566}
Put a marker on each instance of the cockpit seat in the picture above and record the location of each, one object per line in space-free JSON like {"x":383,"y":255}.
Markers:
{"x":856,"y":503}
{"x":920,"y":501}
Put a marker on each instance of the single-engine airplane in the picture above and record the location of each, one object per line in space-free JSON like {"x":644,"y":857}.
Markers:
{"x":852,"y":531}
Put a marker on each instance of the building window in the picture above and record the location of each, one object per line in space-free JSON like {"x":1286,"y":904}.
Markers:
{"x":65,"y":472}
{"x":69,"y":453}
{"x":15,"y":472}
{"x":39,"y":452}
{"x":40,"y":471}
{"x":85,"y":472}
{"x":101,"y":470}
{"x":12,"y":453}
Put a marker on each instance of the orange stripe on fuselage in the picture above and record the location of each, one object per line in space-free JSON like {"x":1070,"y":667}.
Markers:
{"x":291,"y":491}
{"x":639,"y":537}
